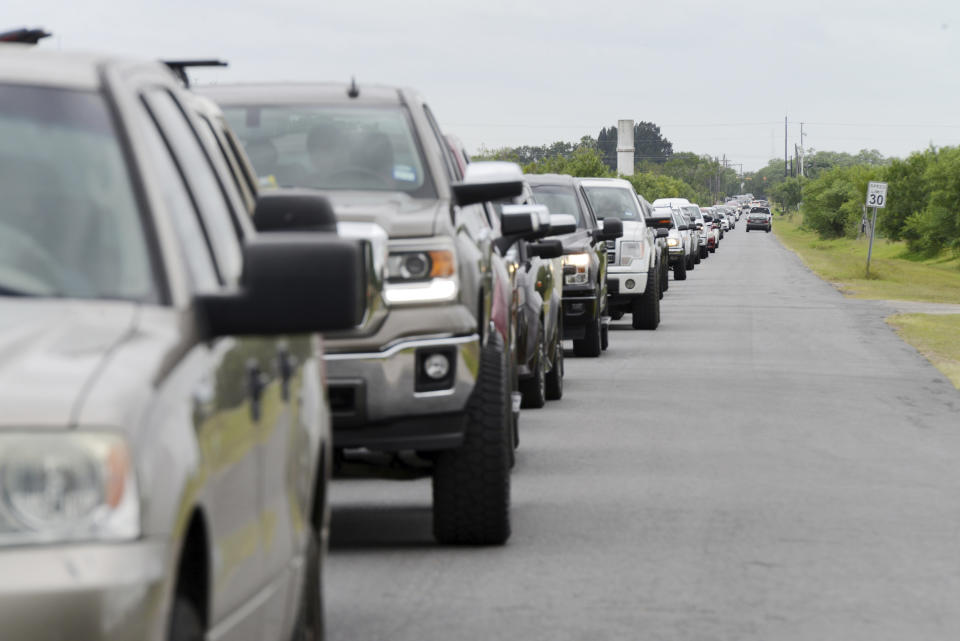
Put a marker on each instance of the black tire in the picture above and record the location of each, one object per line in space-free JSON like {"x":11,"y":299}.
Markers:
{"x":589,"y":345}
{"x":748,"y":229}
{"x":768,"y":230}
{"x":555,"y":375}
{"x":664,"y":276}
{"x":696,"y":257}
{"x":646,"y":308}
{"x":691,"y":262}
{"x":680,"y":271}
{"x":185,"y":622}
{"x":713,"y":250}
{"x":309,"y":625}
{"x":471,"y":484}
{"x":604,"y":337}
{"x":534,"y":389}
{"x":703,"y":252}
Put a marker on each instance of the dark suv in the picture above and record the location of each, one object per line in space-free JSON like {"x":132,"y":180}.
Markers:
{"x":428,"y":370}
{"x":584,"y":261}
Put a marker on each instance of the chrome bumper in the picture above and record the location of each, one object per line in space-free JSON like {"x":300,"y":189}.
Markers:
{"x":373,"y":387}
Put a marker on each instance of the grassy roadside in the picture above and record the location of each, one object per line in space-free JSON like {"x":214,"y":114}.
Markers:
{"x":893,"y":276}
{"x":936,"y":336}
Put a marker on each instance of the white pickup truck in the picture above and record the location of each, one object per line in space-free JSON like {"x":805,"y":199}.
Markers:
{"x":633,"y":260}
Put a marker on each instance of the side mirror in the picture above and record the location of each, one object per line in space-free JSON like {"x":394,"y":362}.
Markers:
{"x":562,"y":224}
{"x":683,"y":227}
{"x":540,"y":213}
{"x":662,"y":233}
{"x":291,"y":283}
{"x":515,"y":227}
{"x":660,"y":221}
{"x":612,"y":229}
{"x":489,"y":180}
{"x":293,"y":210}
{"x":546,"y":249}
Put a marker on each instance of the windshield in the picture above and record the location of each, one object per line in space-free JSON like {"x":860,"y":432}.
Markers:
{"x":69,"y":223}
{"x":559,"y":200}
{"x":693,"y":212}
{"x":613,"y":202}
{"x":332,"y":147}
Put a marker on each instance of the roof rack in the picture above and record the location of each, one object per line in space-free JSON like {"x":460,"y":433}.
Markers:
{"x":179,"y":67}
{"x":24,"y":36}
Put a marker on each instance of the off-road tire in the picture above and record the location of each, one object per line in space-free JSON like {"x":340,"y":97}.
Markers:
{"x":604,"y":337}
{"x":309,"y":625}
{"x":680,"y":271}
{"x":534,"y":389}
{"x":646,"y":308}
{"x":471,"y":484}
{"x":555,"y":375}
{"x":185,"y":622}
{"x":589,"y":345}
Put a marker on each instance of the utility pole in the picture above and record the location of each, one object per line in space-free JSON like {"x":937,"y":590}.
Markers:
{"x":785,"y":147}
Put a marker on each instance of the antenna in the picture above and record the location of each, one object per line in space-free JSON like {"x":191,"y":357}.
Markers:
{"x":179,"y":67}
{"x":353,"y":91}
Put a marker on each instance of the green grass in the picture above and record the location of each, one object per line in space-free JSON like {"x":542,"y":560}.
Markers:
{"x":936,"y":336}
{"x":894,"y":274}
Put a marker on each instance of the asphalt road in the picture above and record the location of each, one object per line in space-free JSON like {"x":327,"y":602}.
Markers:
{"x":771,"y":463}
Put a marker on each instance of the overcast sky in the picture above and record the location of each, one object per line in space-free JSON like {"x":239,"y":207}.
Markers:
{"x":717,"y":77}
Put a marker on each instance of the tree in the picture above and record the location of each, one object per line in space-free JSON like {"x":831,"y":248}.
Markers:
{"x":652,"y":186}
{"x":833,"y":202}
{"x":584,"y":161}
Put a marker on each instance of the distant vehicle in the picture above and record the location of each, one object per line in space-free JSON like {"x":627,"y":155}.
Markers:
{"x":584,"y":261}
{"x":633,"y":260}
{"x":759,"y":218}
{"x":679,"y":239}
{"x":693,"y":213}
{"x":712,"y":228}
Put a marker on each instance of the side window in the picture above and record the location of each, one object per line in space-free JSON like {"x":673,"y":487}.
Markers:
{"x":194,"y":243}
{"x":453,"y":172}
{"x":206,"y":190}
{"x":237,"y":187}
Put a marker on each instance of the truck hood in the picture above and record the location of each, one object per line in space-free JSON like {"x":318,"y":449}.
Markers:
{"x":50,"y":351}
{"x":577,"y":242}
{"x":397,"y":213}
{"x":632,"y":231}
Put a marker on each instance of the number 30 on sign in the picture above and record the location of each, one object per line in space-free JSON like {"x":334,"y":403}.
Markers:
{"x":877,"y":195}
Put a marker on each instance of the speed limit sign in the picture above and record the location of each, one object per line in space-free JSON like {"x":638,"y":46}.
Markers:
{"x":877,"y":195}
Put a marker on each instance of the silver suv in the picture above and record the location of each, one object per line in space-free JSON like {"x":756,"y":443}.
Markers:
{"x":164,"y":439}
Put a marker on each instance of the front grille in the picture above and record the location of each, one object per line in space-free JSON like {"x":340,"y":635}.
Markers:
{"x":611,"y":258}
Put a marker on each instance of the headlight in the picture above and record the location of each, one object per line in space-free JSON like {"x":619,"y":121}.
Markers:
{"x":66,"y":487}
{"x":427,"y":276}
{"x":629,"y":250}
{"x":576,"y":269}
{"x":673,"y":242}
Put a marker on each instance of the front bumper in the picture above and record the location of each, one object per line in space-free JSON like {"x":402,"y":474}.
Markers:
{"x":579,"y":308}
{"x":625,"y":282}
{"x":387,"y":387}
{"x":91,"y":592}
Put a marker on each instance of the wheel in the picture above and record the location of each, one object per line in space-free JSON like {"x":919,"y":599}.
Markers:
{"x":664,"y":276}
{"x":703,"y":252}
{"x":646,"y":308}
{"x":680,"y":270}
{"x":185,"y":623}
{"x":690,"y":262}
{"x":696,"y":257}
{"x":616,"y":314}
{"x":748,"y":229}
{"x":471,"y":484}
{"x":534,"y":389}
{"x":713,"y":250}
{"x":309,"y":625}
{"x":768,"y":230}
{"x":555,"y":375}
{"x":604,"y":336}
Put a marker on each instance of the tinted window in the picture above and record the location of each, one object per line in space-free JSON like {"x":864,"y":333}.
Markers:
{"x":613,"y":202}
{"x":559,"y":200}
{"x":208,"y":193}
{"x":69,"y":222}
{"x":332,"y":147}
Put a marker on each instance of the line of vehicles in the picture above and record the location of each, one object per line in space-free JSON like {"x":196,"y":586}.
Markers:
{"x":168,"y":260}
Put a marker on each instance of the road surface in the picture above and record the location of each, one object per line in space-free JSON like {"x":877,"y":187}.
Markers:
{"x":772,"y":463}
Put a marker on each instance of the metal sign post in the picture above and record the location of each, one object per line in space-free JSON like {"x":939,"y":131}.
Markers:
{"x":876,"y":198}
